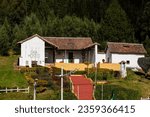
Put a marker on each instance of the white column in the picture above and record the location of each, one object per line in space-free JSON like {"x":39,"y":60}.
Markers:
{"x":43,"y":62}
{"x":65,"y":58}
{"x":123,"y":69}
{"x":95,"y":55}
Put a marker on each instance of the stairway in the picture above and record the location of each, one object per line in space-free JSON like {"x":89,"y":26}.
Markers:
{"x":82,"y":87}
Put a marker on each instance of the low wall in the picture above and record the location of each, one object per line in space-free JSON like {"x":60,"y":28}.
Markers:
{"x":111,"y":66}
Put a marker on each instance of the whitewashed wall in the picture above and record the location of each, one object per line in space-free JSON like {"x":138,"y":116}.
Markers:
{"x":100,"y":57}
{"x":32,"y":50}
{"x":116,"y":58}
{"x":108,"y":56}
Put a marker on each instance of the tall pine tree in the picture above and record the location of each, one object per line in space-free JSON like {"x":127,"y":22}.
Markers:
{"x":18,"y":35}
{"x":115,"y":25}
{"x":4,"y":39}
{"x":144,"y":23}
{"x":32,"y":25}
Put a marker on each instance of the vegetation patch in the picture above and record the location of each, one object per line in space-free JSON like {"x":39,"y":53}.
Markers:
{"x":116,"y":92}
{"x":8,"y":76}
{"x":131,"y":88}
{"x":103,"y":74}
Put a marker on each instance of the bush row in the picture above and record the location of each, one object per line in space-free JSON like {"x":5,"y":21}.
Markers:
{"x":103,"y":74}
{"x":116,"y":92}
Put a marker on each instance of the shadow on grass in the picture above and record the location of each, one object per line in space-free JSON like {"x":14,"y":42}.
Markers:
{"x":142,"y":74}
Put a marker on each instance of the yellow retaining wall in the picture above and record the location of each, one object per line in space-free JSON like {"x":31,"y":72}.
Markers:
{"x":111,"y":66}
{"x":73,"y":66}
{"x":82,"y":66}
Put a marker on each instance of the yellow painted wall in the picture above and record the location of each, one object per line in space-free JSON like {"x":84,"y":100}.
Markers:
{"x":111,"y":66}
{"x":72,"y":66}
{"x":82,"y":66}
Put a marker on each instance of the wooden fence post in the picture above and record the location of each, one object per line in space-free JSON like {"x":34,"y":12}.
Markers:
{"x":6,"y":89}
{"x":28,"y":89}
{"x":17,"y":89}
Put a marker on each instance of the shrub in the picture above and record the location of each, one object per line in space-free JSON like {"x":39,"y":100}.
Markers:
{"x":40,"y":89}
{"x":69,"y":96}
{"x":41,"y":70}
{"x":103,"y":74}
{"x":42,"y":82}
{"x":80,"y":72}
{"x":29,"y":79}
{"x":120,"y":93}
{"x":144,"y":63}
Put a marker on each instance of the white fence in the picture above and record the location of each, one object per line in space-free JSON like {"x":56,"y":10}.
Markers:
{"x":148,"y":98}
{"x":25,"y":90}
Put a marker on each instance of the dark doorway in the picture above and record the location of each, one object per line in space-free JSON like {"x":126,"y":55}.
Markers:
{"x":70,"y":57}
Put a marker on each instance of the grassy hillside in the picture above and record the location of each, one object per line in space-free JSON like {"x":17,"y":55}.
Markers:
{"x":132,"y":88}
{"x":8,"y":76}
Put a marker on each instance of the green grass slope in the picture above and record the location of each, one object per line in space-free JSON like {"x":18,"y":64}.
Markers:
{"x":132,"y":88}
{"x":8,"y":76}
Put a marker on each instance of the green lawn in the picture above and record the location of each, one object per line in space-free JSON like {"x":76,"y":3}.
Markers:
{"x":8,"y":76}
{"x":11,"y":79}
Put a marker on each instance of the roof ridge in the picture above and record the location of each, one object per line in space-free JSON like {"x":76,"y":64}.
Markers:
{"x":124,"y":43}
{"x":70,"y":37}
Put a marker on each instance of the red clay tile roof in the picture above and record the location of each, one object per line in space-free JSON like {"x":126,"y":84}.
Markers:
{"x":66,"y":43}
{"x":70,"y":43}
{"x":126,"y":48}
{"x":36,"y":35}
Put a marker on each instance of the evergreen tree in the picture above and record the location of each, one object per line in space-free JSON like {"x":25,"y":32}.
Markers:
{"x":17,"y":10}
{"x":32,"y":25}
{"x":71,"y":26}
{"x":18,"y":35}
{"x":115,"y":25}
{"x":53,"y":26}
{"x":6,"y":24}
{"x":4,"y":40}
{"x":144,"y":23}
{"x":146,"y":44}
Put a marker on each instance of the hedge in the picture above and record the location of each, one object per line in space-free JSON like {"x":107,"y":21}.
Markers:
{"x":118,"y":92}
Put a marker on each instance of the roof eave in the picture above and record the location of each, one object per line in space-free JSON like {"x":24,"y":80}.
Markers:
{"x":36,"y":35}
{"x":91,"y":45}
{"x":127,"y":53}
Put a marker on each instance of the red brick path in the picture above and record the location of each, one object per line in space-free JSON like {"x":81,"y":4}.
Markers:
{"x":82,"y":87}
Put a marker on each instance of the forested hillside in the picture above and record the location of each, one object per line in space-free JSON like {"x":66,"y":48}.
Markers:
{"x":103,"y":20}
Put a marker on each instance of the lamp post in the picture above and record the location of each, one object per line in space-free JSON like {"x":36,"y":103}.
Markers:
{"x":102,"y":89}
{"x":95,"y":82}
{"x":34,"y":93}
{"x":96,"y":75}
{"x":61,"y":76}
{"x":61,"y":83}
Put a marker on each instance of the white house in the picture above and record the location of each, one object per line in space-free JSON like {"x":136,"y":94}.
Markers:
{"x":45,"y":50}
{"x":42,"y":50}
{"x":128,"y":52}
{"x":101,"y":57}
